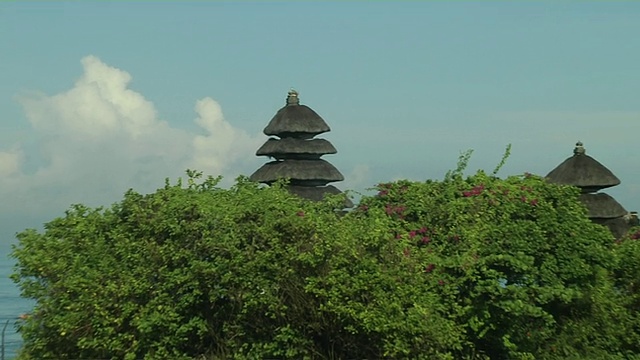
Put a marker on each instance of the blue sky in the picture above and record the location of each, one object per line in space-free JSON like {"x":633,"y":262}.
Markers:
{"x":100,"y":97}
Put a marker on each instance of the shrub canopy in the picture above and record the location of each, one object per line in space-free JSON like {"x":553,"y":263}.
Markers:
{"x":467,"y":267}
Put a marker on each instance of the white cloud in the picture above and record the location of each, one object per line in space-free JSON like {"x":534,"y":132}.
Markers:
{"x":223,"y":143}
{"x":10,"y":162}
{"x":100,"y":138}
{"x":99,"y":104}
{"x":358,"y":179}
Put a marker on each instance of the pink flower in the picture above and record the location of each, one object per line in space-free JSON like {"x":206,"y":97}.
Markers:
{"x":429,"y":268}
{"x":534,"y":202}
{"x":412,"y":234}
{"x":426,"y":239}
{"x":422,"y":230}
{"x":477,"y":190}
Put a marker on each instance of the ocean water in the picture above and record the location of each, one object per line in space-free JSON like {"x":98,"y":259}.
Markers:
{"x":11,"y":304}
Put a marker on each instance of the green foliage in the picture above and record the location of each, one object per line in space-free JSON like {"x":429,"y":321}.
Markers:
{"x":627,"y":284}
{"x":199,"y":271}
{"x":464,"y":268}
{"x":505,"y":156}
{"x":518,"y":264}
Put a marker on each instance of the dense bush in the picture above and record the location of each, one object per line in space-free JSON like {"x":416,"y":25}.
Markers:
{"x":518,"y":265}
{"x":202,"y":271}
{"x":475,"y":267}
{"x":627,"y":284}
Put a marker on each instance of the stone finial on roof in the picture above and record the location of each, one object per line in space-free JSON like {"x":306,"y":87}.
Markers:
{"x":579,"y":149}
{"x":292,"y":98}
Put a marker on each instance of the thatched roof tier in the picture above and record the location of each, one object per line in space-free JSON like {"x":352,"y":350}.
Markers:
{"x":584,"y":172}
{"x":300,"y":172}
{"x":618,"y":226}
{"x":318,"y":193}
{"x":602,"y":206}
{"x":292,"y":148}
{"x":295,"y":120}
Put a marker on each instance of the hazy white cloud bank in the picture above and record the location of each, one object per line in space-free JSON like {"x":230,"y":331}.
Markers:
{"x":356,"y":180}
{"x":100,"y":138}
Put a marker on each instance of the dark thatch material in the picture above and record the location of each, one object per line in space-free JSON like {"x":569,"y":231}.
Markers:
{"x":602,"y":206}
{"x":584,"y":172}
{"x":292,"y":148}
{"x":317,"y":193}
{"x":295,"y":120}
{"x":618,"y":226}
{"x":300,"y":172}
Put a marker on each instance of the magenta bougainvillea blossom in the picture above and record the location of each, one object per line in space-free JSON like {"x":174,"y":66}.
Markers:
{"x":477,"y":190}
{"x":429,"y":268}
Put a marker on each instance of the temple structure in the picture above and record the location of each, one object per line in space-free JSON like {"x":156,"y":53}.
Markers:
{"x":297,"y":154}
{"x":590,"y":176}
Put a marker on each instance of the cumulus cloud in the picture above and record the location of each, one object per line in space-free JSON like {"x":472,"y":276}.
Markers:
{"x":223,"y":143}
{"x":358,"y":179}
{"x":10,"y":163}
{"x":99,"y":105}
{"x":100,"y":138}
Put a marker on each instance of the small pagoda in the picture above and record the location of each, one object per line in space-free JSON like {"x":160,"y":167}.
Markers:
{"x":297,"y":154}
{"x":586,"y":173}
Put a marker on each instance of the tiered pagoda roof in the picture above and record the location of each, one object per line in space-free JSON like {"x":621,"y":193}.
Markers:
{"x":585,"y":172}
{"x":297,"y":154}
